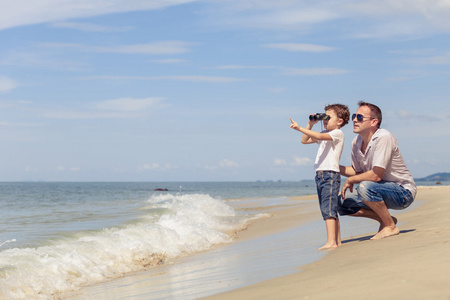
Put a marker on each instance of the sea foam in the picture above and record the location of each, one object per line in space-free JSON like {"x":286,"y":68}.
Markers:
{"x":170,"y":226}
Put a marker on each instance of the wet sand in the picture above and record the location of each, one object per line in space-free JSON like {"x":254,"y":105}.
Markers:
{"x":412,"y":265}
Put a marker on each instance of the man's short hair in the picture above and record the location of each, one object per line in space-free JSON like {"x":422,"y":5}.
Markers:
{"x":375,"y":111}
{"x":341,"y":111}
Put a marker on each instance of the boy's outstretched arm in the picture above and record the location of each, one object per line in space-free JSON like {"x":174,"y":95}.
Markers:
{"x":310,"y":136}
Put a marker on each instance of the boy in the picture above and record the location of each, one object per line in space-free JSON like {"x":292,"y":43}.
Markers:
{"x":328,"y":178}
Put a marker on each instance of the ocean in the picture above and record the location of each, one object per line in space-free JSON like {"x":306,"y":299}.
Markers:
{"x":57,"y":237}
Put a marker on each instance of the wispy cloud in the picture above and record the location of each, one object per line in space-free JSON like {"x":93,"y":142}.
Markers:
{"x":407,"y":115}
{"x":290,"y":71}
{"x":108,"y":109}
{"x":406,"y":75}
{"x":302,"y":161}
{"x":89,"y":27}
{"x":354,"y":18}
{"x":279,"y":162}
{"x":192,"y":78}
{"x":169,"y":61}
{"x":313,"y":71}
{"x":241,"y":67}
{"x":15,"y":13}
{"x":157,"y":166}
{"x":128,"y":104}
{"x":7,"y":84}
{"x":296,"y":47}
{"x":36,"y":59}
{"x":70,"y":169}
{"x":155,"y":48}
{"x":296,"y":161}
{"x":442,"y":59}
{"x":284,"y":14}
{"x":224,"y":164}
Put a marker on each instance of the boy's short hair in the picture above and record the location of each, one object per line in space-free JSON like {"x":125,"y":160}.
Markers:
{"x":375,"y":111}
{"x":341,"y":111}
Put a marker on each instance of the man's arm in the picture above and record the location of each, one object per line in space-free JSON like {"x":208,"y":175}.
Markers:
{"x":376,"y":174}
{"x":347,"y":171}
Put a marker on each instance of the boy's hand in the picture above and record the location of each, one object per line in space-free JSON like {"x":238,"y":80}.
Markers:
{"x":313,"y":122}
{"x":294,"y":125}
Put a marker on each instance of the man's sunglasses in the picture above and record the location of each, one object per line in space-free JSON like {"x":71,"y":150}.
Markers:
{"x":359,"y":117}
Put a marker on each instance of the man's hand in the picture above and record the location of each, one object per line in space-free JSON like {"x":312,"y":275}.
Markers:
{"x":347,"y":185}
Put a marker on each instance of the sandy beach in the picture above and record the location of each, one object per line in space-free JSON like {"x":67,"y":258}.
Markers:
{"x":412,"y":265}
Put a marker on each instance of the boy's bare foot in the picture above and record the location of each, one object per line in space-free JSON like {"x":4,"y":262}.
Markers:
{"x":393,"y":219}
{"x":386,"y":232}
{"x":328,"y":247}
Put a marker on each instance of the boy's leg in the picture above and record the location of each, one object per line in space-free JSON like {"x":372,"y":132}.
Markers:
{"x":328,"y":185}
{"x":331,"y":234}
{"x":338,"y":232}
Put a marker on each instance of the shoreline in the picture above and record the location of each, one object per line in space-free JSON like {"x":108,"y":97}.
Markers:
{"x":413,"y":264}
{"x":239,"y":269}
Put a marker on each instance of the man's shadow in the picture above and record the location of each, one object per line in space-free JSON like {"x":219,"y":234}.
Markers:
{"x":365,"y":238}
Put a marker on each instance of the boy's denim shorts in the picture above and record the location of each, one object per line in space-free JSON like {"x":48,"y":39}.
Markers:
{"x":393,"y":195}
{"x":328,"y":184}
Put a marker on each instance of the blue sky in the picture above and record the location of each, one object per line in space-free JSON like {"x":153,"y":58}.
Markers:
{"x":203,"y":90}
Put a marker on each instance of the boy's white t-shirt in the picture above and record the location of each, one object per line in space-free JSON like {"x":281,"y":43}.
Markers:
{"x":329,"y":152}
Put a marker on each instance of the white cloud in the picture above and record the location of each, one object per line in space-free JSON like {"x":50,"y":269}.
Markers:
{"x":192,"y":78}
{"x":163,"y":47}
{"x":276,"y":90}
{"x":89,"y":27}
{"x":71,"y":169}
{"x":240,"y":67}
{"x":404,"y":114}
{"x":226,"y":163}
{"x":313,"y":71}
{"x":108,"y":109}
{"x":38,"y":59}
{"x":128,"y":104}
{"x":31,"y":169}
{"x":155,"y":48}
{"x":210,"y":168}
{"x":284,"y":14}
{"x":25,"y":12}
{"x":296,"y":47}
{"x":151,"y":166}
{"x":443,"y":59}
{"x":355,"y":18}
{"x":302,"y":161}
{"x":279,"y":162}
{"x":157,"y":166}
{"x":7,"y":84}
{"x":169,"y":61}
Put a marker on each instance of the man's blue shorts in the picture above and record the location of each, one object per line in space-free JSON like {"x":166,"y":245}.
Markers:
{"x":393,"y":195}
{"x":328,"y":184}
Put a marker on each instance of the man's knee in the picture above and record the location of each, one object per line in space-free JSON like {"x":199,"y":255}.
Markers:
{"x":367,"y":191}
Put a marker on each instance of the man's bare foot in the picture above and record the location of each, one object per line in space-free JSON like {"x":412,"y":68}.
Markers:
{"x":386,"y":232}
{"x":328,"y":247}
{"x":393,"y":219}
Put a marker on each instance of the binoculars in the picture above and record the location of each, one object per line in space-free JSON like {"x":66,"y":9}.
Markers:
{"x":319,"y":117}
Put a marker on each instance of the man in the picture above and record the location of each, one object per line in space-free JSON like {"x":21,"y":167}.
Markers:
{"x":378,"y":167}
